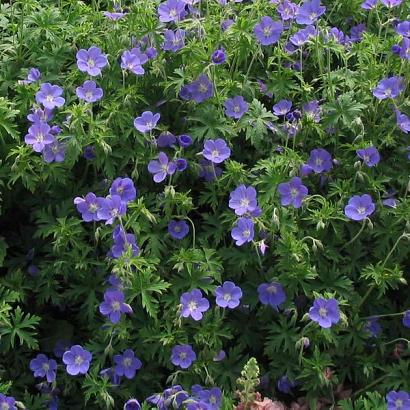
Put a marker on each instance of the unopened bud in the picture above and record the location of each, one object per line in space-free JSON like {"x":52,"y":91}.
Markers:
{"x":357,"y":164}
{"x":320,"y":225}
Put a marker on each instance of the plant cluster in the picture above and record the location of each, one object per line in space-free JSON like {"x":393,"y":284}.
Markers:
{"x":205,"y":204}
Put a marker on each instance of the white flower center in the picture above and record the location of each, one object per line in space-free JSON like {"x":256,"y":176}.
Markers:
{"x":272,"y":289}
{"x":323,"y":312}
{"x":40,"y":137}
{"x":93,"y":208}
{"x":246,"y":233}
{"x":267,"y":31}
{"x":244,"y":202}
{"x":227,"y":297}
{"x":91,"y":62}
{"x":361,"y":210}
{"x":116,"y":306}
{"x":127,"y":362}
{"x":192,"y":305}
{"x":78,"y":360}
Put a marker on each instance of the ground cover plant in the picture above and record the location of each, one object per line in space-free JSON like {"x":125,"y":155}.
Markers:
{"x":205,"y":204}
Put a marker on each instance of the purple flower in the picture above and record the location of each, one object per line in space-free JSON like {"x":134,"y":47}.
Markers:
{"x":359,"y":207}
{"x":77,"y":360}
{"x":390,"y":202}
{"x":33,"y":76}
{"x":174,"y":40}
{"x":369,"y":4}
{"x":183,"y":356}
{"x":235,"y":107}
{"x":403,"y":28}
{"x":218,"y":56}
{"x":208,"y":170}
{"x":132,"y":404}
{"x":147,"y":122}
{"x":396,"y":49}
{"x":55,"y":130}
{"x":114,"y":305}
{"x":201,"y":89}
{"x":89,"y":92}
{"x":228,"y":295}
{"x":309,"y":12}
{"x":216,"y":151}
{"x":312,"y":110}
{"x":372,"y":327}
{"x":184,"y":140}
{"x":61,"y":347}
{"x":171,"y":11}
{"x":91,"y":61}
{"x":405,"y":49}
{"x":126,"y":364}
{"x":42,"y":366}
{"x":243,"y":231}
{"x":193,"y":304}
{"x":178,"y":229}
{"x":50,"y":96}
{"x":212,"y":397}
{"x":219,"y":356}
{"x":122,"y":241}
{"x":356,"y":33}
{"x":198,"y":405}
{"x":174,"y":397}
{"x":226,"y":24}
{"x":285,"y":385}
{"x":282,"y":107}
{"x":325,"y":312}
{"x":7,"y":402}
{"x":287,"y":10}
{"x":268,"y":31}
{"x":370,"y":156}
{"x":320,"y":160}
{"x":39,"y":115}
{"x":132,"y":62}
{"x":271,"y":294}
{"x":390,"y":87}
{"x":89,"y":152}
{"x":151,"y":52}
{"x":398,"y":400}
{"x":114,"y":16}
{"x":406,"y":319}
{"x":391,"y":3}
{"x":124,"y":188}
{"x":243,"y":200}
{"x":161,"y":167}
{"x":89,"y":207}
{"x":166,"y":139}
{"x":54,"y":152}
{"x":336,"y":35}
{"x":302,"y":36}
{"x":111,"y":207}
{"x":403,"y":121}
{"x":292,"y":192}
{"x":115,"y":282}
{"x":39,"y":136}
